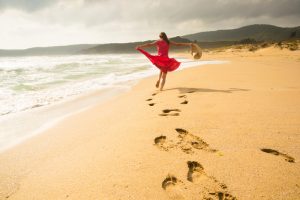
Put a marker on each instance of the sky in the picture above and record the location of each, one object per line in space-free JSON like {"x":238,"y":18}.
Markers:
{"x":31,"y":23}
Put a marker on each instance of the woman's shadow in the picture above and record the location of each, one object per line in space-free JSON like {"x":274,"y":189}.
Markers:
{"x":184,"y":90}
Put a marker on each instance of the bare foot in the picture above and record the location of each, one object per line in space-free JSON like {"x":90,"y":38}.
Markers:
{"x":157,"y":84}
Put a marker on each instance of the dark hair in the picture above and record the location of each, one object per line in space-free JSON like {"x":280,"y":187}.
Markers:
{"x":164,"y":36}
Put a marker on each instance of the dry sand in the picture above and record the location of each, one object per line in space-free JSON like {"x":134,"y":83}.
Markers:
{"x":210,"y":146}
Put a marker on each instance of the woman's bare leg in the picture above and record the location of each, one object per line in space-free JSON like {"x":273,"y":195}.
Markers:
{"x":164,"y":76}
{"x":157,"y":83}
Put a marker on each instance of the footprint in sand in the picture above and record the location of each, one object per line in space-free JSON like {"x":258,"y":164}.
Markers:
{"x":160,"y":142}
{"x":277,"y":153}
{"x":184,"y":102}
{"x":170,"y":185}
{"x":187,"y":141}
{"x":195,"y":171}
{"x":151,"y":104}
{"x":207,"y":187}
{"x":149,"y":99}
{"x":222,"y":196}
{"x":169,"y":180}
{"x":210,"y":187}
{"x":170,"y":112}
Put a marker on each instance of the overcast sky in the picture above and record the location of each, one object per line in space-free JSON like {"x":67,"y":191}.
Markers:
{"x":29,"y":23}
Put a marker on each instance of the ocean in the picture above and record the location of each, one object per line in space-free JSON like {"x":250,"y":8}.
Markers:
{"x":31,"y":82}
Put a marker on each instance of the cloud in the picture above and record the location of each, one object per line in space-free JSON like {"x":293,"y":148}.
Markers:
{"x":160,"y":12}
{"x":103,"y":21}
{"x":27,"y":5}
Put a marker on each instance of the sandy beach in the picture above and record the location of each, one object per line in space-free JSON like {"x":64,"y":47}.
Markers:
{"x":227,"y":131}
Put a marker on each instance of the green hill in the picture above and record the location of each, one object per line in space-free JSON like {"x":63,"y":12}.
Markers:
{"x":258,"y":32}
{"x":39,"y":51}
{"x":211,"y":39}
{"x":124,"y":47}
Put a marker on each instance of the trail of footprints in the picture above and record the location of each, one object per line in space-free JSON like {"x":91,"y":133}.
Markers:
{"x":170,"y":112}
{"x":186,"y":142}
{"x":209,"y":187}
{"x":185,"y":100}
{"x":277,"y":153}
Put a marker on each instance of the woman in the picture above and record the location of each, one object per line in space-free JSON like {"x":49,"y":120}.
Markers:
{"x":162,"y":60}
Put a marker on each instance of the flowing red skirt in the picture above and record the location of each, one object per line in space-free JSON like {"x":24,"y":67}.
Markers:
{"x":165,"y":64}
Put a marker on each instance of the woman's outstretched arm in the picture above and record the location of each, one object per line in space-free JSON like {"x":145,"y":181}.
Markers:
{"x":180,"y":44}
{"x":146,"y":45}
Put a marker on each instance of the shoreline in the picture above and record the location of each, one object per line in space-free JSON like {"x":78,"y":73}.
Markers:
{"x":34,"y":121}
{"x":212,"y":145}
{"x":38,"y":120}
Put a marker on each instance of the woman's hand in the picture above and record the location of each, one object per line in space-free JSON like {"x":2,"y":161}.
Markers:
{"x":137,"y":47}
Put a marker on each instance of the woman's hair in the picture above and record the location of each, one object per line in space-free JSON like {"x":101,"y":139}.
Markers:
{"x":164,"y":36}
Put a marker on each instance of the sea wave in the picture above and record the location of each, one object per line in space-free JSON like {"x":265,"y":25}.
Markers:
{"x":30,"y":82}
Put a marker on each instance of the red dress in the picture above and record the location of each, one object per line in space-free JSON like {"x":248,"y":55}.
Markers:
{"x":162,"y":60}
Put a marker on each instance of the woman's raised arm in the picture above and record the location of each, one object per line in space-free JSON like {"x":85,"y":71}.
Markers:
{"x":180,"y":44}
{"x":146,"y":45}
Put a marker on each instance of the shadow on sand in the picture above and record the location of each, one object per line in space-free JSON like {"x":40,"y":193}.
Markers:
{"x":184,"y":90}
